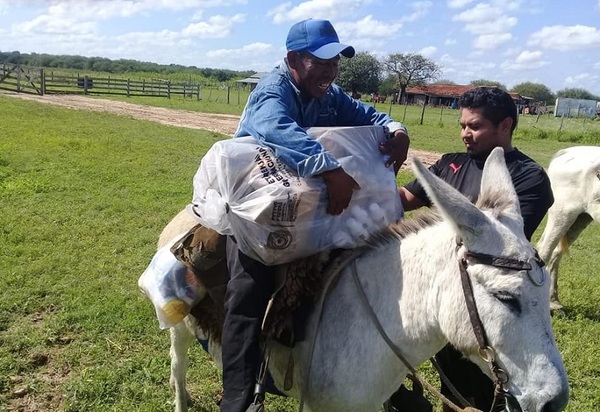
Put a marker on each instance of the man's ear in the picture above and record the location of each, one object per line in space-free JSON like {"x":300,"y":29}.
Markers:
{"x":293,"y":59}
{"x":506,"y":125}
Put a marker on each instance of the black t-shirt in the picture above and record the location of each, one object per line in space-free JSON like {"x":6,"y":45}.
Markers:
{"x":464,"y":173}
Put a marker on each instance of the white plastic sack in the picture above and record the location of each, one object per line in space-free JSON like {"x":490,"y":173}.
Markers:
{"x":242,"y":189}
{"x":170,"y":286}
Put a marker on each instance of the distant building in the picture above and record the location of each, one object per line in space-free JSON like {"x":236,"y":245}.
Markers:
{"x":448,"y":94}
{"x":436,"y":94}
{"x":252,"y":80}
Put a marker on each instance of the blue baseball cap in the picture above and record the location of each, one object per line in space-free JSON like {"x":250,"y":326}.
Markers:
{"x":319,"y":38}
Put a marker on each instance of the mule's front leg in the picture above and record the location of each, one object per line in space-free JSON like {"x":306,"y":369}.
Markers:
{"x":181,"y":340}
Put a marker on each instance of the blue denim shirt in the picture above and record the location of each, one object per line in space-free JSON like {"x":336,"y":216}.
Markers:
{"x":277,"y":115}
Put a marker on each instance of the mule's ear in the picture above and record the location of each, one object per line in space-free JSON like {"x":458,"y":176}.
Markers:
{"x":497,"y":189}
{"x":457,"y":209}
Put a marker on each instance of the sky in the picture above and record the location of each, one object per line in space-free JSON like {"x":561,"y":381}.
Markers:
{"x":553,"y":42}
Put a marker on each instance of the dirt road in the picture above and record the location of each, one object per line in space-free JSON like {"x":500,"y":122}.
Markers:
{"x":221,"y":123}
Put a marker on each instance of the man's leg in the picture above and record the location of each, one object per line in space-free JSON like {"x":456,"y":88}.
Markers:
{"x":248,"y":292}
{"x":466,"y":377}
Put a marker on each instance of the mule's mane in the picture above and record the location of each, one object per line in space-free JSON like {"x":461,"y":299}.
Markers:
{"x":405,"y":227}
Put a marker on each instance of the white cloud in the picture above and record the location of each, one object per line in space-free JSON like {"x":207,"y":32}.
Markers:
{"x":528,"y":57}
{"x":249,"y":57}
{"x":491,"y":41}
{"x":421,"y":9}
{"x":458,"y":4}
{"x":526,"y":60}
{"x":213,"y":28}
{"x":489,"y":23}
{"x":465,"y":70}
{"x":247,"y":51}
{"x":566,"y":37}
{"x":368,"y":27}
{"x":597,"y":64}
{"x":585,"y":81}
{"x":105,"y":9}
{"x":485,"y":19}
{"x":449,"y":42}
{"x":322,"y":9}
{"x":582,"y":78}
{"x":367,"y":33}
{"x":45,"y":24}
{"x":428,"y":51}
{"x":4,"y":5}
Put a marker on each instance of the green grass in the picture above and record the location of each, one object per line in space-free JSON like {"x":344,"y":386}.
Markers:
{"x":84,"y":196}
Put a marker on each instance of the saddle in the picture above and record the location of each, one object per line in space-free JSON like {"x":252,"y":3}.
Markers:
{"x":202,"y":250}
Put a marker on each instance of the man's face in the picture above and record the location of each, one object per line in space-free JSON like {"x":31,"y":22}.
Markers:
{"x":480,"y":135}
{"x":313,"y":75}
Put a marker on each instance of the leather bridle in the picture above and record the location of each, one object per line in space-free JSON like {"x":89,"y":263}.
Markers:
{"x":502,"y":397}
{"x":486,"y":351}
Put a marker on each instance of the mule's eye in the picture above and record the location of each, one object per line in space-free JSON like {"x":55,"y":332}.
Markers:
{"x":509,"y":300}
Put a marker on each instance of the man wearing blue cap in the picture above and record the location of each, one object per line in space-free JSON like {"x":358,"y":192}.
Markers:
{"x":298,"y":94}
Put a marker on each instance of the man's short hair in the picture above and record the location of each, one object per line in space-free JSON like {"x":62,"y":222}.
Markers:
{"x":496,"y":103}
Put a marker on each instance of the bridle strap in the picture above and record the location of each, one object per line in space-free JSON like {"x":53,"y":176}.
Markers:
{"x":502,"y":262}
{"x":471,"y":305}
{"x":485,"y":350}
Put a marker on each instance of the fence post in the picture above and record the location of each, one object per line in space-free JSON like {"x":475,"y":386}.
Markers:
{"x":43,"y":81}
{"x":198,"y":92}
{"x":128,"y":87}
{"x":228,"y":89}
{"x":169,"y":89}
{"x":423,"y":111}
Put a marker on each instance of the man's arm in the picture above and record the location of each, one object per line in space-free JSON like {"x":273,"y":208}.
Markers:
{"x":270,"y":116}
{"x":409,"y":201}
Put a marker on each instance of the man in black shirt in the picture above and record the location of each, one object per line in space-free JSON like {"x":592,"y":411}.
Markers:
{"x":488,"y":118}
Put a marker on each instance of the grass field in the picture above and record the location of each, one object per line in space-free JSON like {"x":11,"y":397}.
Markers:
{"x":84,"y":196}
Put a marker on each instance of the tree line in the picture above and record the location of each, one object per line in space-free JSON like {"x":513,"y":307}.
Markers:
{"x":397,"y":72}
{"x":120,"y":66}
{"x":364,"y":73}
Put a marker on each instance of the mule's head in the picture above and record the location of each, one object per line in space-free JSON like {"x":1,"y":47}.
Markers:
{"x":511,"y":294}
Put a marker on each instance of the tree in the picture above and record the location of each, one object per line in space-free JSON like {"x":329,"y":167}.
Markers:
{"x":577,"y":93}
{"x":388,"y":85}
{"x":362,"y":73}
{"x":444,"y":81}
{"x":411,"y":69}
{"x":538,"y":91}
{"x":489,"y":83}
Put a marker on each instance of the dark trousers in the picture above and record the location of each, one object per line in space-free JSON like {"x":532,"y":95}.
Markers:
{"x":249,"y":289}
{"x":466,"y":377}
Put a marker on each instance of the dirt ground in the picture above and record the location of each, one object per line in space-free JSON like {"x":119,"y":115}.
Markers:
{"x":221,"y":123}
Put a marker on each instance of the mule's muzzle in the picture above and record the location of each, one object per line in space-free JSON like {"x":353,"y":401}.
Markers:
{"x":558,"y":403}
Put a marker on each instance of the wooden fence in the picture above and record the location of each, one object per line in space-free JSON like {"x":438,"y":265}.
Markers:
{"x":40,"y":81}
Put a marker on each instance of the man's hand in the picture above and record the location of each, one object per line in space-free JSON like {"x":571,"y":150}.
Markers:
{"x":397,"y":149}
{"x":340,"y":186}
